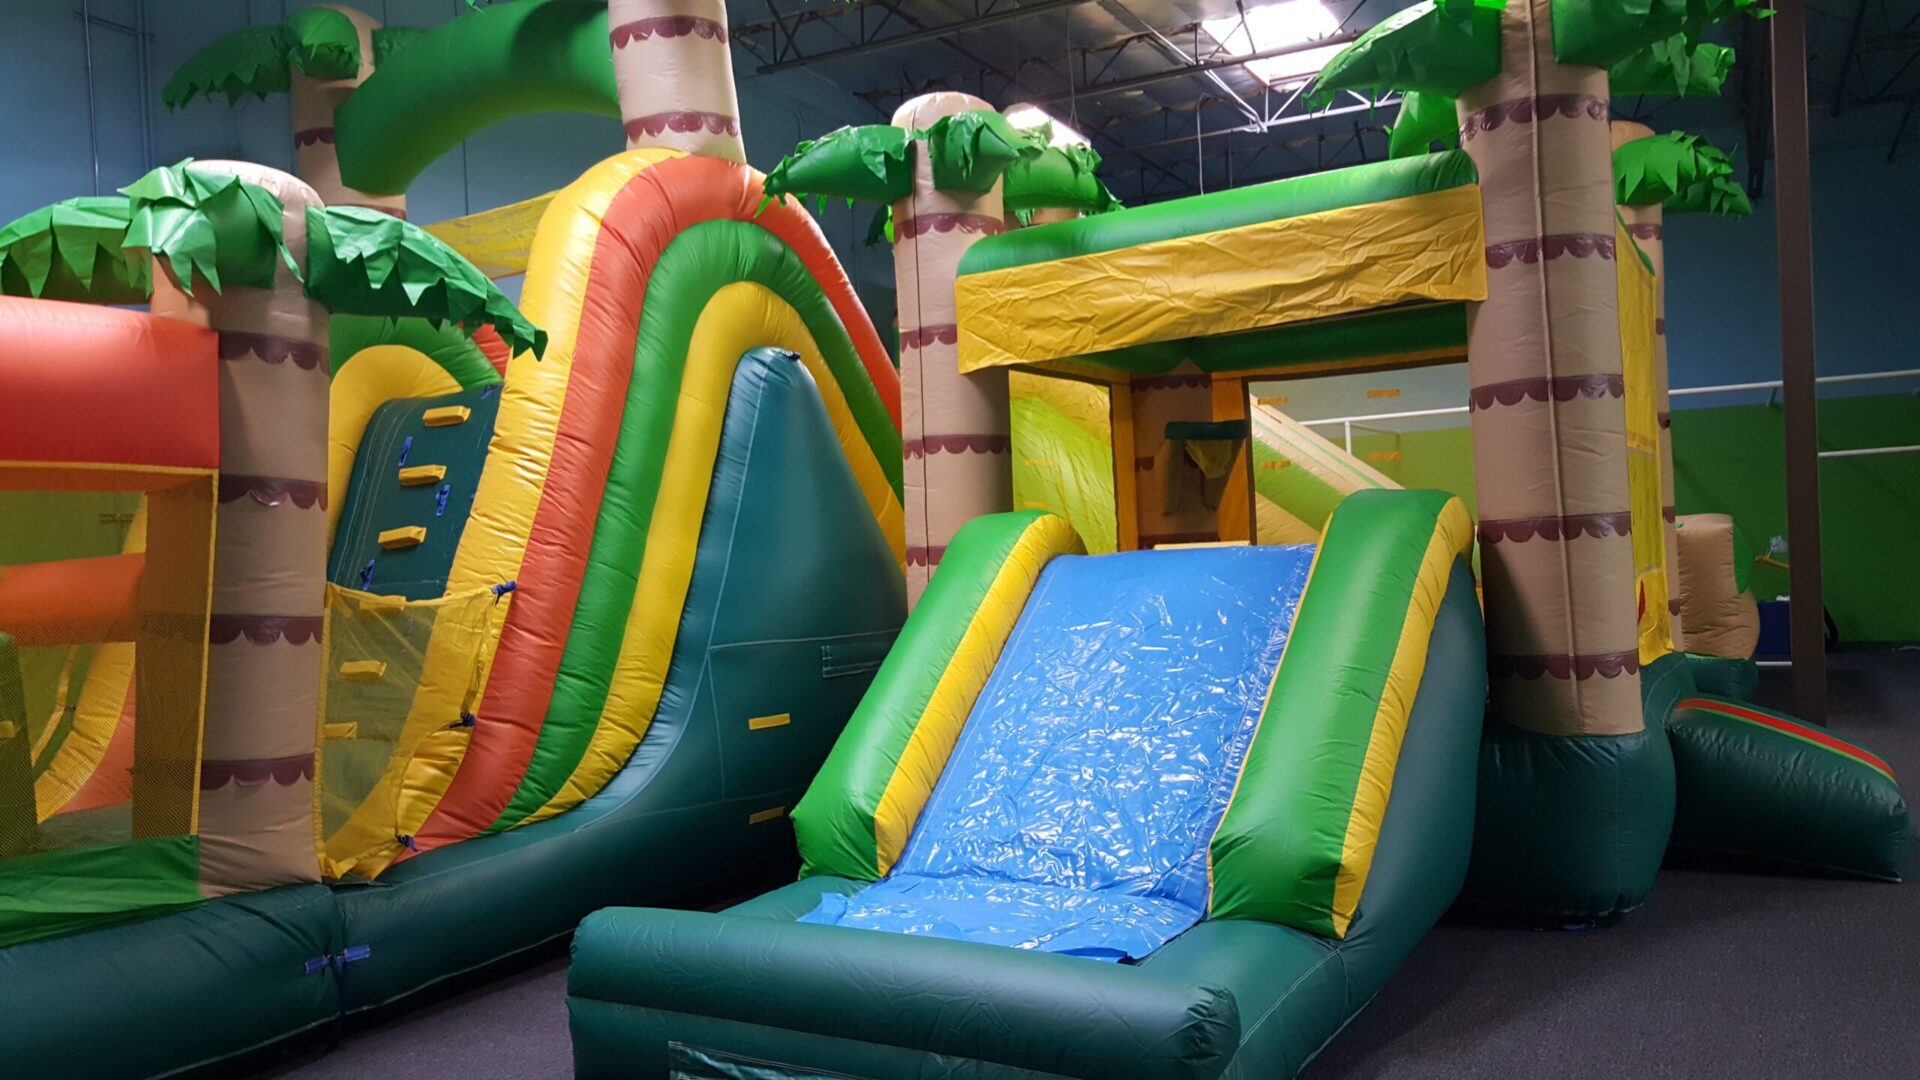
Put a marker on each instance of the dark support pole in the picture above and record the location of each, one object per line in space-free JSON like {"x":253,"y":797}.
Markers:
{"x":1793,"y":215}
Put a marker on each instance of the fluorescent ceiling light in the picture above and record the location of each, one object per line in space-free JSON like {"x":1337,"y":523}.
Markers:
{"x":1277,"y":26}
{"x":1032,"y":116}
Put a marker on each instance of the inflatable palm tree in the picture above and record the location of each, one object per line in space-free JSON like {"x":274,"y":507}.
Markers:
{"x":320,"y":55}
{"x":255,"y":255}
{"x":1576,"y":791}
{"x":972,"y":169}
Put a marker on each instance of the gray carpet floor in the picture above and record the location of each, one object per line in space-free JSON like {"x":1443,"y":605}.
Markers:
{"x":1723,"y":973}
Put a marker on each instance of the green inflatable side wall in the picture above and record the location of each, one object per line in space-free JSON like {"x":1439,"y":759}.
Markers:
{"x":467,"y":74}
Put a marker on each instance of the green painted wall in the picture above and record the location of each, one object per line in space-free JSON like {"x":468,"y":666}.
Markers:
{"x":1730,"y":460}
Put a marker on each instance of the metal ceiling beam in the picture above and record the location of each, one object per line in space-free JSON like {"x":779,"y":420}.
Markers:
{"x":1846,"y":58}
{"x":1138,"y":81}
{"x":1172,"y":51}
{"x":1286,"y":121}
{"x":925,"y":34}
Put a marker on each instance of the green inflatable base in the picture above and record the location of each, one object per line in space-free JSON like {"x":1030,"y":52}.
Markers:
{"x":1758,"y":785}
{"x":1737,"y":678}
{"x":1574,"y":827}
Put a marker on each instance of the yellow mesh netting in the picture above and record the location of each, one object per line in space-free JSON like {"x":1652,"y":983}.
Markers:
{"x":1637,"y":307}
{"x":376,"y":650}
{"x":104,"y":599}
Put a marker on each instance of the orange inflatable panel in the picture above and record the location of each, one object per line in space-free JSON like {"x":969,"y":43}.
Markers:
{"x":101,"y":386}
{"x":72,"y":602}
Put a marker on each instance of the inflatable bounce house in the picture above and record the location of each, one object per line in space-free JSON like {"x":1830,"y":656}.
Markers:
{"x":361,"y":627}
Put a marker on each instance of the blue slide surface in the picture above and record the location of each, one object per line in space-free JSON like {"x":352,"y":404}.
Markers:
{"x":1075,"y":811}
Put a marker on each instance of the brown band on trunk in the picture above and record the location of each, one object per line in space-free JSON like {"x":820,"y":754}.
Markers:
{"x":926,"y":556}
{"x":224,"y":629}
{"x":922,"y":224}
{"x":667,"y":27}
{"x":253,"y":772}
{"x":1560,"y":527}
{"x":1529,"y":110}
{"x":1529,"y":250}
{"x":922,"y":336}
{"x":1539,"y":388}
{"x":1594,"y":665}
{"x":239,"y":344}
{"x":684,"y":121}
{"x":273,"y":490}
{"x":959,"y":444}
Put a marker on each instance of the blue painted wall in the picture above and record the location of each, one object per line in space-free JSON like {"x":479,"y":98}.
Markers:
{"x":1723,"y":322}
{"x":50,"y":146}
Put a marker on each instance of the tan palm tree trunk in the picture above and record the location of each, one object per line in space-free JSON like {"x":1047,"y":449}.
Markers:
{"x":265,"y":652}
{"x":1647,"y":226}
{"x":1549,"y":421}
{"x":674,"y":70}
{"x":955,"y":426}
{"x":315,"y":159}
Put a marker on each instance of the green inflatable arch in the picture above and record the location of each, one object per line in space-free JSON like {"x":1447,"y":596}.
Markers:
{"x":516,"y":59}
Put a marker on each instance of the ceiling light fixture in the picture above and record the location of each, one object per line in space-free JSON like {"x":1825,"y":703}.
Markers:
{"x":1278,"y":26}
{"x":1025,"y":116}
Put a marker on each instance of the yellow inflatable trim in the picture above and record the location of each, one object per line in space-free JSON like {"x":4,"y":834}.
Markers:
{"x":1336,"y":262}
{"x":925,"y":755}
{"x":1645,"y":492}
{"x":1452,"y":538}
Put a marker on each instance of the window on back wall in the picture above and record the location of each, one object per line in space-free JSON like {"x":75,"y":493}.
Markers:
{"x":1317,"y":439}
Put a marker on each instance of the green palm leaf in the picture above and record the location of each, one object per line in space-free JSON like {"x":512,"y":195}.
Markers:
{"x":1606,"y":32}
{"x":971,"y":149}
{"x":1683,"y":173}
{"x":1059,"y":176}
{"x":249,"y":61}
{"x":1435,"y":47}
{"x":868,"y":162}
{"x":388,"y":40}
{"x":323,"y":43}
{"x":364,"y":262}
{"x":1673,"y":67}
{"x":1424,"y":118}
{"x":208,"y":226}
{"x":260,"y":60}
{"x":72,"y":251}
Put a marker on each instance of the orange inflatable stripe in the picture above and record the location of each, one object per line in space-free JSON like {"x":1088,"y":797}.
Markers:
{"x":72,"y":602}
{"x":494,"y":348}
{"x":653,"y":208}
{"x":97,"y":385}
{"x":112,"y":781}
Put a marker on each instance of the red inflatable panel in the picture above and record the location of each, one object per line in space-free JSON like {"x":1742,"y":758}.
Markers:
{"x":103,"y":386}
